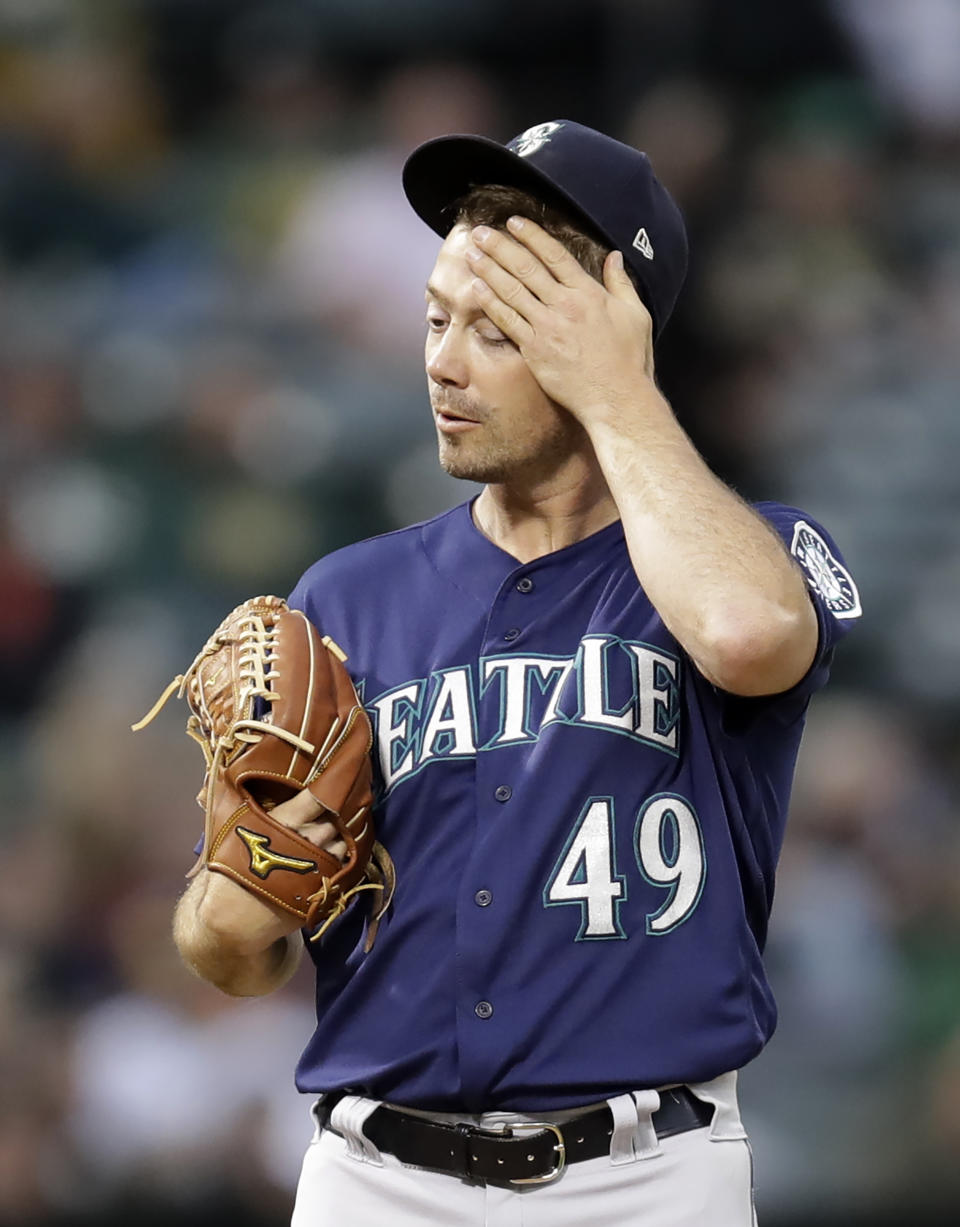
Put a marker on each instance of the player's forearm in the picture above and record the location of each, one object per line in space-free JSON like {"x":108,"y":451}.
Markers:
{"x":228,"y":936}
{"x":717,"y":574}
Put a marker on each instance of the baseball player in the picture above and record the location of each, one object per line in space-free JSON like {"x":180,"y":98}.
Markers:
{"x":587,"y":687}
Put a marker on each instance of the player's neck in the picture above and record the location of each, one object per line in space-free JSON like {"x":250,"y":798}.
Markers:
{"x":531,"y":523}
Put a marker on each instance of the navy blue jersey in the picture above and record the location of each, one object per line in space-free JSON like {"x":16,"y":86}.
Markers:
{"x":585,"y":830}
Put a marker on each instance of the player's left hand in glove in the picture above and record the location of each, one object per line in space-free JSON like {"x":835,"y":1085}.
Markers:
{"x":276,"y":713}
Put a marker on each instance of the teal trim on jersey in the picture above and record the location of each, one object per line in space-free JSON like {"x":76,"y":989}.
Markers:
{"x":667,"y":713}
{"x":631,"y":705}
{"x":543,"y":684}
{"x":672,"y":887}
{"x":664,"y":680}
{"x":399,"y":749}
{"x":448,"y":736}
{"x":665,"y":725}
{"x":420,"y":713}
{"x":582,"y":935}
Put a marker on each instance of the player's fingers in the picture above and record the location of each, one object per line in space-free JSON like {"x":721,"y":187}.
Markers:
{"x":326,"y":836}
{"x":318,"y":833}
{"x":302,"y":814}
{"x":506,"y":287}
{"x":300,"y":809}
{"x":564,"y":267}
{"x":518,"y":260}
{"x":510,"y":322}
{"x":619,"y":286}
{"x":617,"y":280}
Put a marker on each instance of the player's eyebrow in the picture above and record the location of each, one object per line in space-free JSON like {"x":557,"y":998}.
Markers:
{"x":448,"y":304}
{"x":433,"y":292}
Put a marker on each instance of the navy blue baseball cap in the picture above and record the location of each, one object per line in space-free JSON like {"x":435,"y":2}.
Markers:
{"x":607,"y":186}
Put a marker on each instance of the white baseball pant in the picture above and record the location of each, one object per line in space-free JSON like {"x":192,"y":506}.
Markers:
{"x":701,"y":1178}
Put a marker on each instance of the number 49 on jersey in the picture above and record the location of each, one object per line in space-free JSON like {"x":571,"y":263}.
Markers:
{"x":668,"y":846}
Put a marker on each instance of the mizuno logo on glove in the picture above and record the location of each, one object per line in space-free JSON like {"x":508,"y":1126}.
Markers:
{"x":263,"y":861}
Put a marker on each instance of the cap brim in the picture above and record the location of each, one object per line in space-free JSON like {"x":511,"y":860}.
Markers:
{"x":441,"y":171}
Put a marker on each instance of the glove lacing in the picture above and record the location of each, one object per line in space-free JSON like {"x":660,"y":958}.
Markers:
{"x":258,"y":652}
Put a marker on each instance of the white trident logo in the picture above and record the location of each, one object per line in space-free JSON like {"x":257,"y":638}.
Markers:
{"x":533,"y":139}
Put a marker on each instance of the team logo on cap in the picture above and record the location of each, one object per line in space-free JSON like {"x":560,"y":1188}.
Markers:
{"x":533,"y":139}
{"x":824,"y":573}
{"x":643,"y":244}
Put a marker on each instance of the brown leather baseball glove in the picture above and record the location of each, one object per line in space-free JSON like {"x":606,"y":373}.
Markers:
{"x":275,"y":711}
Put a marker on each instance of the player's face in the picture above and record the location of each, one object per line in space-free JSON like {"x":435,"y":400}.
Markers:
{"x":494,"y":421}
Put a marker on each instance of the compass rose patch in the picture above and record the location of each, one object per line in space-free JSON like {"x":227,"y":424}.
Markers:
{"x":824,"y":572}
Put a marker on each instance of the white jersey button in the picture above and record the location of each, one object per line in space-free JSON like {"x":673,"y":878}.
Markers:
{"x":483,"y":898}
{"x":483,"y":1009}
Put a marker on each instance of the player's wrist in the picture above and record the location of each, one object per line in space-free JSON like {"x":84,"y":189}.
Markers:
{"x":238,"y":922}
{"x":637,"y":408}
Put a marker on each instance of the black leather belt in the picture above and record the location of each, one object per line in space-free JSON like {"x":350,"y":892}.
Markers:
{"x":527,"y":1153}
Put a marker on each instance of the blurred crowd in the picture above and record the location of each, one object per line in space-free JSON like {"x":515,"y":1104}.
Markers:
{"x":210,"y":374}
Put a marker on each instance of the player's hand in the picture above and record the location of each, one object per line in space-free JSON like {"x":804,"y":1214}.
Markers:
{"x":589,"y":346}
{"x":304,"y":814}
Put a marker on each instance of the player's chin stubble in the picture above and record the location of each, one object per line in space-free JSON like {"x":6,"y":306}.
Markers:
{"x":494,"y":460}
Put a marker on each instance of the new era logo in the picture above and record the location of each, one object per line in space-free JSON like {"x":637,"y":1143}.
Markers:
{"x":643,"y":244}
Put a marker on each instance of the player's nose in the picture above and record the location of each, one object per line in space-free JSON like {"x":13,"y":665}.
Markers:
{"x":445,"y":361}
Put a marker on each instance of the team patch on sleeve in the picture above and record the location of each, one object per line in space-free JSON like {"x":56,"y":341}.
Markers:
{"x":825,"y":573}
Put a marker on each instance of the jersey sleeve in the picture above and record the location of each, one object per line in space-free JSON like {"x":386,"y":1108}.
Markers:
{"x":298,"y":597}
{"x":832,"y":588}
{"x":313,"y":581}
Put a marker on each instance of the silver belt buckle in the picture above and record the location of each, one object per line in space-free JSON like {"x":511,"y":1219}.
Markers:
{"x":560,"y":1151}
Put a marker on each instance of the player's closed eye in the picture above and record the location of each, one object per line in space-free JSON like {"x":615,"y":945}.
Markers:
{"x":494,"y":338}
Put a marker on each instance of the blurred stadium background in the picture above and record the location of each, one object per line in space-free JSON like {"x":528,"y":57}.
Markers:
{"x":210,"y":331}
